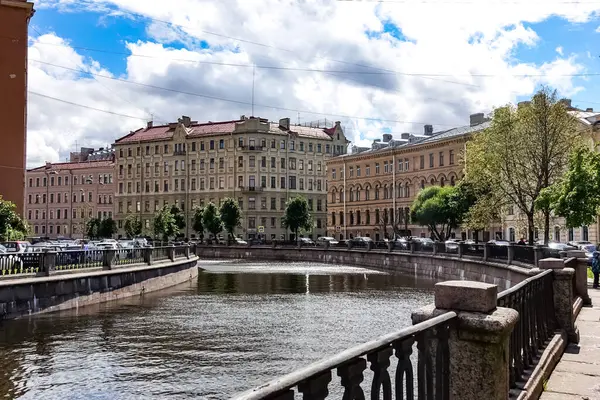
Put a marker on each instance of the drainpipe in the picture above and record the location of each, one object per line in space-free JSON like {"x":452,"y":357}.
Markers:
{"x":344,"y":197}
{"x":393,"y":192}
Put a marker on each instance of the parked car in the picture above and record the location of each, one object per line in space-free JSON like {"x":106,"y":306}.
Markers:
{"x":401,"y":243}
{"x":240,"y":242}
{"x":16,"y":246}
{"x":452,"y":245}
{"x":499,"y":242}
{"x":327,"y":239}
{"x":306,"y":242}
{"x":560,"y":246}
{"x":360,"y":241}
{"x":425,"y":243}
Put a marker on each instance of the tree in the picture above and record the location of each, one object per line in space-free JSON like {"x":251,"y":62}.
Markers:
{"x":211,"y":220}
{"x":133,"y":226}
{"x":12,"y":226}
{"x":231,"y":215}
{"x":577,"y":197}
{"x":179,"y":217}
{"x":441,"y":209}
{"x":296,"y":216}
{"x":107,"y":228}
{"x":164,"y":224}
{"x":524,"y":150}
{"x":197,"y":224}
{"x":92,"y":228}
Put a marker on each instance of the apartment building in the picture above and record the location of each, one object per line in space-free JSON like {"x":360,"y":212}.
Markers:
{"x":259,"y":163}
{"x":62,"y":197}
{"x":370,"y":191}
{"x":14,"y":25}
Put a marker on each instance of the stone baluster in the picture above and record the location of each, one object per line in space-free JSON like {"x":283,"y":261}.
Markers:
{"x":478,"y":342}
{"x":187,"y":251}
{"x":581,"y":284}
{"x":510,"y":255}
{"x":487,"y":251}
{"x":108,"y":258}
{"x":148,"y":255}
{"x":563,"y":295}
{"x":171,"y":250}
{"x":47,"y":263}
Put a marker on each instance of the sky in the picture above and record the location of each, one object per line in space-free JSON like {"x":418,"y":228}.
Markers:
{"x":99,"y":69}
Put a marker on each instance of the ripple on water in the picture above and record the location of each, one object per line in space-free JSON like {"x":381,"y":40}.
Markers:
{"x":238,"y":325}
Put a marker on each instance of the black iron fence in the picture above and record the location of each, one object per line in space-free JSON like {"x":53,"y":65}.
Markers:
{"x":11,"y":264}
{"x":533,"y":300}
{"x":160,"y":253}
{"x":78,"y":259}
{"x":431,"y":340}
{"x":129,"y":256}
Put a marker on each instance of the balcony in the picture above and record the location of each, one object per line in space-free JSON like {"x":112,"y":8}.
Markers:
{"x":248,"y":148}
{"x":179,"y":153}
{"x":250,"y":189}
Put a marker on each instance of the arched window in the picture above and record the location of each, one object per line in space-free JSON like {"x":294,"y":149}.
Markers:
{"x":442,"y":181}
{"x":407,"y":214}
{"x":423,"y":184}
{"x":432,"y":181}
{"x":351,"y":215}
{"x":333,"y":195}
{"x":358,"y":217}
{"x":368,"y":217}
{"x":376,"y":216}
{"x":357,"y":194}
{"x":367,"y":195}
{"x":452,"y":181}
{"x":333,"y":218}
{"x":391,"y":194}
{"x":376,"y":192}
{"x":406,"y":190}
{"x":398,"y":190}
{"x":511,"y":234}
{"x":341,"y":218}
{"x":351,"y":195}
{"x":385,"y":192}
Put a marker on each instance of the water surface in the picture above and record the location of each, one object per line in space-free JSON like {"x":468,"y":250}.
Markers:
{"x":239,"y":325}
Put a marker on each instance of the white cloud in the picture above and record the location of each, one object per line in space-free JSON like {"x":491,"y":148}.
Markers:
{"x":559,"y":50}
{"x":462,"y":40}
{"x":598,"y":29}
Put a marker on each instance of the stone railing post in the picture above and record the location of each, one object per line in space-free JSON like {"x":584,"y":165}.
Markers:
{"x":349,"y":244}
{"x":487,"y":251}
{"x":461,"y":248}
{"x":187,"y":251}
{"x":108,"y":258}
{"x":390,"y":245}
{"x":326,"y":245}
{"x":538,"y":254}
{"x":148,"y":255}
{"x":171,"y":251}
{"x":411,"y":246}
{"x":274,"y":243}
{"x":510,"y":253}
{"x":370,"y":245}
{"x":563,"y":295}
{"x":478,"y":343}
{"x":581,"y":275}
{"x":435,"y":247}
{"x":47,"y":263}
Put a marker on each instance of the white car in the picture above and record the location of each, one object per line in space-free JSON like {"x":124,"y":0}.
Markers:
{"x":327,"y":239}
{"x":306,"y":242}
{"x":240,"y":242}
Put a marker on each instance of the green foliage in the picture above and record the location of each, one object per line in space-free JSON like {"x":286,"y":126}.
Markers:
{"x":12,"y":226}
{"x":297,"y":216}
{"x":107,"y":228}
{"x":92,"y":228}
{"x":198,"y":224}
{"x":441,"y":209}
{"x":524,"y":150}
{"x":179,"y":217}
{"x":133,"y":226}
{"x":577,"y":196}
{"x":164,"y":224}
{"x":231,"y":215}
{"x":212,"y":220}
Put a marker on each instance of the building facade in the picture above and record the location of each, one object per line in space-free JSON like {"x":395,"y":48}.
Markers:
{"x":370,"y":191}
{"x":259,"y":163}
{"x":14,"y":23}
{"x":62,"y":197}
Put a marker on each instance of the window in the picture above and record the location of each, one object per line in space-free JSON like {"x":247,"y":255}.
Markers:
{"x":441,"y":158}
{"x":273,"y":180}
{"x":319,"y":148}
{"x":282,"y":145}
{"x":263,"y":204}
{"x":292,"y":163}
{"x":310,"y":165}
{"x":282,"y":182}
{"x":292,"y":145}
{"x":212,"y":145}
{"x":333,"y":173}
{"x":385,"y":167}
{"x":352,"y":170}
{"x":451,"y":157}
{"x":263,"y":162}
{"x":221,"y":144}
{"x":282,"y":163}
{"x":292,"y":182}
{"x":319,"y":205}
{"x":376,"y":168}
{"x":221,"y":162}
{"x":252,"y":161}
{"x":584,"y":233}
{"x":251,"y":203}
{"x":252,"y":223}
{"x":430,"y":160}
{"x":263,"y":181}
{"x":310,"y":147}
{"x":273,"y":162}
{"x":212,"y":163}
{"x":273,"y":143}
{"x":193,"y":146}
{"x":202,"y":146}
{"x":357,"y":171}
{"x":273,"y":203}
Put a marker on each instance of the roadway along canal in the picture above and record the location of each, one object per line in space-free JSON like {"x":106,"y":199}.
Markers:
{"x":238,"y":326}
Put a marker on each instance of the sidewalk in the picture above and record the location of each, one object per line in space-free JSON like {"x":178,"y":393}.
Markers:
{"x":577,"y":375}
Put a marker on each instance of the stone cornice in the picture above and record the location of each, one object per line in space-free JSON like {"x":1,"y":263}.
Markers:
{"x":19,"y":4}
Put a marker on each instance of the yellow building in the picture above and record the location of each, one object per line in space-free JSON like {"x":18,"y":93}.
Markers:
{"x":371,"y":190}
{"x":259,"y":163}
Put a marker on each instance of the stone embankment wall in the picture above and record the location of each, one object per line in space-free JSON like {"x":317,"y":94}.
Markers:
{"x":26,"y":296}
{"x":437,"y":267}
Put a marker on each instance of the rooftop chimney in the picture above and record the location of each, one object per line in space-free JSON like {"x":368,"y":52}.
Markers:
{"x":405,"y":136}
{"x":589,"y":110}
{"x":428,"y":130}
{"x":186,"y":120}
{"x":149,"y":124}
{"x":476,"y":119}
{"x":48,"y":164}
{"x":387,"y":137}
{"x":284,"y":124}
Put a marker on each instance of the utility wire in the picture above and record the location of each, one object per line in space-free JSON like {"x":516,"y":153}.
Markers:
{"x":239,"y":101}
{"x":84,"y":106}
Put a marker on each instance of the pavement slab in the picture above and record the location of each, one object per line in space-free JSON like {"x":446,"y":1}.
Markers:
{"x":577,"y":375}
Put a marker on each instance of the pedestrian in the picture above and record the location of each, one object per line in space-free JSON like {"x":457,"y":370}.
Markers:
{"x":522,"y":242}
{"x":596,"y":268}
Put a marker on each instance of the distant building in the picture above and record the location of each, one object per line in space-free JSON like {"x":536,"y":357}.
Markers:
{"x":14,"y":22}
{"x":62,"y":197}
{"x":260,"y":164}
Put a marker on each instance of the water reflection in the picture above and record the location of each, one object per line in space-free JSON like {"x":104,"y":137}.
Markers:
{"x":237,"y":326}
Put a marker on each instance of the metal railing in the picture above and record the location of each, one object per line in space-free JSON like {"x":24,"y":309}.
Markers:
{"x":431,"y":339}
{"x":78,"y":259}
{"x":524,"y":254}
{"x":533,"y":300}
{"x":179,"y":251}
{"x":129,"y":256}
{"x":21,"y":263}
{"x":160,"y":253}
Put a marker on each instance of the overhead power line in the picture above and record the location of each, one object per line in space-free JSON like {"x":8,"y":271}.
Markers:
{"x":84,"y":106}
{"x":238,"y":101}
{"x":275,"y":67}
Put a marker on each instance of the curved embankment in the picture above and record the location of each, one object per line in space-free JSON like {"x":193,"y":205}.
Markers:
{"x":437,"y":267}
{"x":79,"y":288}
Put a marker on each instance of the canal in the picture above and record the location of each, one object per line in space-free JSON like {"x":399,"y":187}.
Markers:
{"x":239,"y":325}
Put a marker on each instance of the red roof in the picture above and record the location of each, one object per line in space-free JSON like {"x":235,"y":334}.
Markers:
{"x":73,"y":166}
{"x":162,"y":132}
